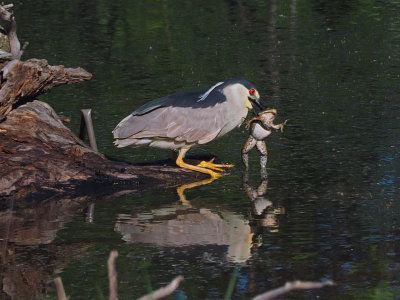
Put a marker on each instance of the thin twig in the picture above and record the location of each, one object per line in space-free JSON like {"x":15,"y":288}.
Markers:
{"x":7,"y":6}
{"x":291,"y":286}
{"x":112,"y":275}
{"x":26,"y":44}
{"x":164,"y":291}
{"x":11,"y":29}
{"x":60,"y":289}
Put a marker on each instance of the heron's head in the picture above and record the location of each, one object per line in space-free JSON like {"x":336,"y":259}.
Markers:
{"x":254,"y":98}
{"x":243,"y":91}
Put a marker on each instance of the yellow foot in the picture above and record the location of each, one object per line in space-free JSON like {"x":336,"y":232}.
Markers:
{"x":203,"y":167}
{"x":216,"y":167}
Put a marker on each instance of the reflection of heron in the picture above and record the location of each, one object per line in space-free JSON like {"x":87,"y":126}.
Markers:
{"x":184,"y":224}
{"x":188,"y":119}
{"x":264,"y":213}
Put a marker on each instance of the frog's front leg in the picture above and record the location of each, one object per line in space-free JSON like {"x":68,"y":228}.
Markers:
{"x":250,"y":143}
{"x":280,"y":126}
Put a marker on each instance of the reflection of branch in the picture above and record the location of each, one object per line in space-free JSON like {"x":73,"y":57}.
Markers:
{"x":291,"y":286}
{"x":164,"y":291}
{"x":158,"y":294}
{"x":112,"y":275}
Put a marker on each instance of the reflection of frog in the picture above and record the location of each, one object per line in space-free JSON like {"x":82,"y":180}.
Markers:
{"x":261,"y":126}
{"x":264,"y":212}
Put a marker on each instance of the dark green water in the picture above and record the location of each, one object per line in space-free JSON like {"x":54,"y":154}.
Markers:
{"x":332,"y":202}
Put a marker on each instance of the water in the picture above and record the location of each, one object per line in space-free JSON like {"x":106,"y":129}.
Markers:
{"x":330,"y":207}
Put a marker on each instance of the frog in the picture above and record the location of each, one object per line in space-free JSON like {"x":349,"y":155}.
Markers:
{"x":261,"y":126}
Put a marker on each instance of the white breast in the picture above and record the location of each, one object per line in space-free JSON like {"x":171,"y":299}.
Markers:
{"x":259,"y":132}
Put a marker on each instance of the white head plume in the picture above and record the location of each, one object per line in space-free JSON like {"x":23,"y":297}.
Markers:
{"x":205,"y":95}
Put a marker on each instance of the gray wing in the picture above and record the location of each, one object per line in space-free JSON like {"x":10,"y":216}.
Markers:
{"x":188,"y":124}
{"x":186,"y":116}
{"x":193,"y":99}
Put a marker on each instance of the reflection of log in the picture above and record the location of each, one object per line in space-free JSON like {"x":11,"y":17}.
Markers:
{"x":26,"y":274}
{"x":26,"y":232}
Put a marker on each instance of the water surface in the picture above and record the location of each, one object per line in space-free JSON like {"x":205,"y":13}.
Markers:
{"x":330,"y":206}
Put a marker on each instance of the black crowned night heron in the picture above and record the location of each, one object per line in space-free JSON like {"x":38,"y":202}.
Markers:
{"x":188,"y":119}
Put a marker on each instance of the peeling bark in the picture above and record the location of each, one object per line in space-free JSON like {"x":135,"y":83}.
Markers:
{"x":22,"y":81}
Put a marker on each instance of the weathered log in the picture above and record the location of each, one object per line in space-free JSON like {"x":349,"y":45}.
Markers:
{"x":38,"y":151}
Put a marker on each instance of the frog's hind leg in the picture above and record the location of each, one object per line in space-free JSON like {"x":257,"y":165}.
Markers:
{"x":262,"y":147}
{"x":250,"y":143}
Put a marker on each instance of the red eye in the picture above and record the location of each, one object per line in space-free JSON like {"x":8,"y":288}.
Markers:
{"x":252,"y":92}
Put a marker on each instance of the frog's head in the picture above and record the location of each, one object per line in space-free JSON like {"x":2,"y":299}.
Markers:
{"x":268,"y":114}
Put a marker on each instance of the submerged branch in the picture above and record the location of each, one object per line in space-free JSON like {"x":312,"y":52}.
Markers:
{"x":164,"y":291}
{"x":60,"y":289}
{"x":112,"y":275}
{"x":291,"y":286}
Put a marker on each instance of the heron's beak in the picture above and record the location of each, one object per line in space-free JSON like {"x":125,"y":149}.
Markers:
{"x":273,"y":111}
{"x":257,"y":102}
{"x":255,"y":99}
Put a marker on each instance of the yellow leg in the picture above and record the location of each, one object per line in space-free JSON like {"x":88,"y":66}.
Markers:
{"x":182,"y":164}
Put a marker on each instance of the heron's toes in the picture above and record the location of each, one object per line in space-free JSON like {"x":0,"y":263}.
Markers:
{"x":228,"y":166}
{"x":215,"y":175}
{"x":216,"y":167}
{"x":210,"y":165}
